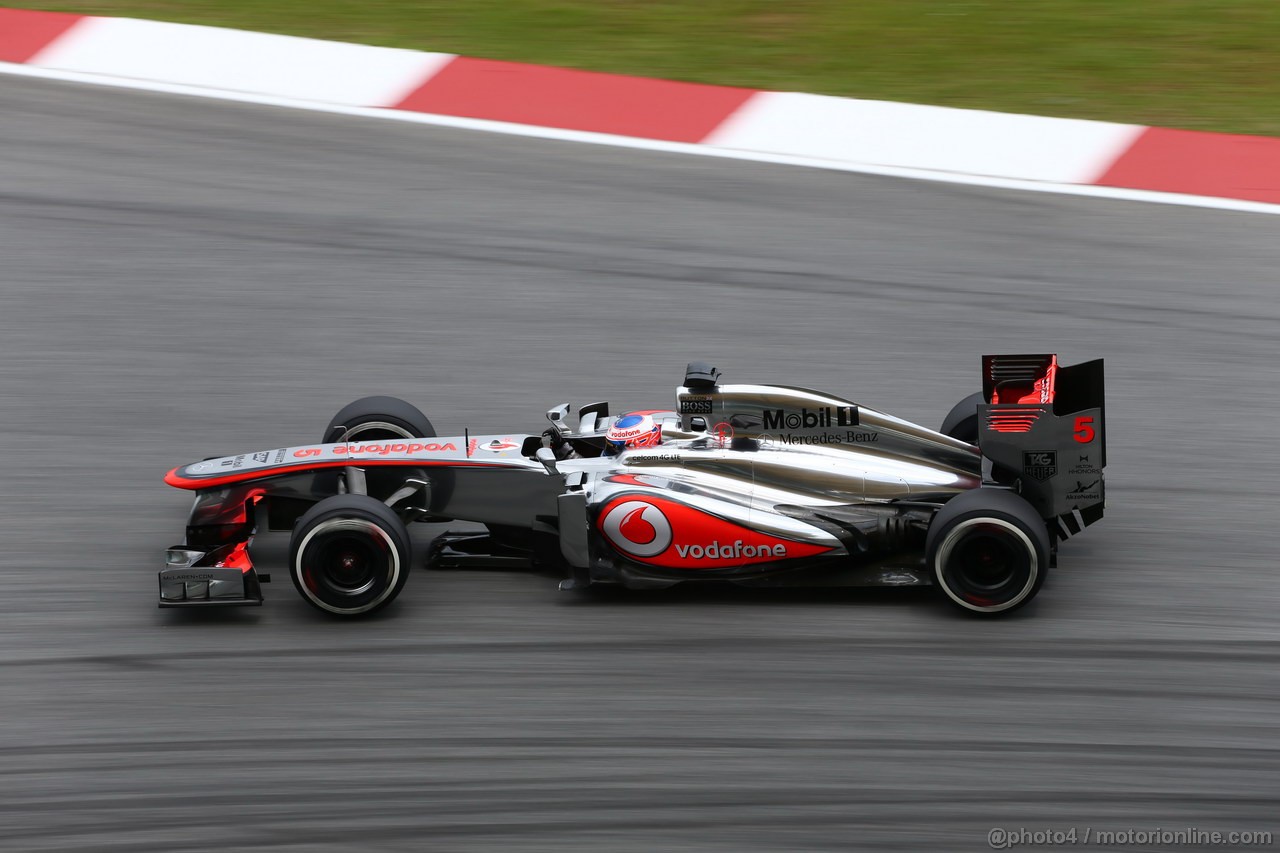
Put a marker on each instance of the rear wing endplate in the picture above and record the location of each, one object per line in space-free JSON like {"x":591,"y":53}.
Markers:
{"x":1051,"y":451}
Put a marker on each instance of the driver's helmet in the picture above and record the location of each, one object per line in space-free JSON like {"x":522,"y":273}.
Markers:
{"x":631,"y":431}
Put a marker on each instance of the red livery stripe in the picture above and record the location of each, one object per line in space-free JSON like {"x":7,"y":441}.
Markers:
{"x":173,"y":478}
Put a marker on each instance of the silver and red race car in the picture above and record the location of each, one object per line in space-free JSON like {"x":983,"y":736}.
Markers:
{"x":761,"y":485}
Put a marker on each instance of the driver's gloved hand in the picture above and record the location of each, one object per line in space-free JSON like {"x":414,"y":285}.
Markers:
{"x":551,"y":438}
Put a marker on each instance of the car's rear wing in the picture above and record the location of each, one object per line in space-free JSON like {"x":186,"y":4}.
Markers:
{"x":1044,"y":429}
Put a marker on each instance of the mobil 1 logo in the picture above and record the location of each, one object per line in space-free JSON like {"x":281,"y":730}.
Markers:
{"x":1040,"y":464}
{"x":822,"y":417}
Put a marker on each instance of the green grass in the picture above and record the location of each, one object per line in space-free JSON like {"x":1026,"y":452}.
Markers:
{"x":1205,"y":64}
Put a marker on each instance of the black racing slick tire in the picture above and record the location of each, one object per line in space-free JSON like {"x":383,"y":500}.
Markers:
{"x":377,"y":419}
{"x":349,"y":555}
{"x":962,"y":421}
{"x":988,"y":551}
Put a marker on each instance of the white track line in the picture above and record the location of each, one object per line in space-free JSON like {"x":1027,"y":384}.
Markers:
{"x":645,"y":144}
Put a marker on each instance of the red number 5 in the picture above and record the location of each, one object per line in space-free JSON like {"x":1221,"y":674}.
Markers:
{"x":1084,"y":430}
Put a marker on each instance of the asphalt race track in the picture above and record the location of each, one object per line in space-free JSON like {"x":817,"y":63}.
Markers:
{"x":183,"y":278}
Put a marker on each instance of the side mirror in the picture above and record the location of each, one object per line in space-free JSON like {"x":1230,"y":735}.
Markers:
{"x":558,"y":415}
{"x":591,"y":417}
{"x":547,"y":457}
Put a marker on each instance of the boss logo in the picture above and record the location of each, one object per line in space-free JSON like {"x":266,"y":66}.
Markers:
{"x":696,"y":407}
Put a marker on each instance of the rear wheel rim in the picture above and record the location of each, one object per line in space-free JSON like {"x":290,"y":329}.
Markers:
{"x":987,"y":565}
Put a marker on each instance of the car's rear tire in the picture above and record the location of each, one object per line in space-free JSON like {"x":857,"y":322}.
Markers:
{"x":962,"y":421}
{"x":377,"y":419}
{"x":988,"y":551}
{"x":349,"y":555}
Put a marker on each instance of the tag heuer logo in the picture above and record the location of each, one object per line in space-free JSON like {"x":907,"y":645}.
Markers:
{"x":1040,"y":464}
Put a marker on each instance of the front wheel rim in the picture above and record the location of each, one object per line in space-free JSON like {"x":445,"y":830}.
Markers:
{"x":377,"y":431}
{"x":346,"y":558}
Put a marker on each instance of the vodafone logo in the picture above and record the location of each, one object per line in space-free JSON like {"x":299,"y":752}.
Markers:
{"x":637,"y":528}
{"x":379,"y":449}
{"x":662,"y":532}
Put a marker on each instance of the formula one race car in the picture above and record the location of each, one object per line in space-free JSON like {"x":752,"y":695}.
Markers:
{"x":755,"y":484}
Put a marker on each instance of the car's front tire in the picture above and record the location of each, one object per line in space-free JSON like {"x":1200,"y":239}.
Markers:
{"x":988,"y":550}
{"x":349,"y":555}
{"x":378,"y":419}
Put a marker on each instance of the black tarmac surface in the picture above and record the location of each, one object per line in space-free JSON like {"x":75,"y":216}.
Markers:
{"x":182,"y":278}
